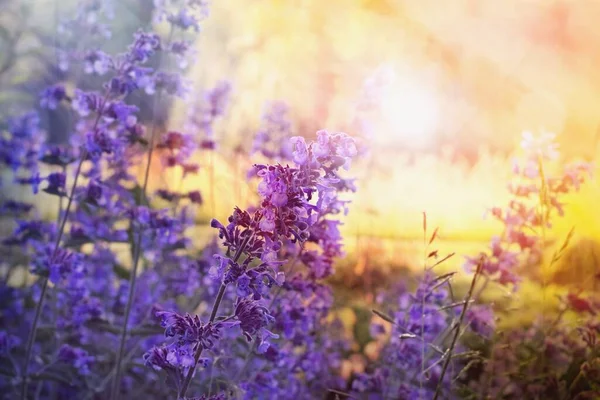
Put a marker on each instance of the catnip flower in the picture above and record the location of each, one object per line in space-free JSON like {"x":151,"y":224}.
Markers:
{"x":188,"y":329}
{"x":542,"y":145}
{"x":97,"y":62}
{"x":52,"y":96}
{"x":252,"y":317}
{"x":273,"y":138}
{"x":519,"y":247}
{"x":56,"y":184}
{"x":78,"y":358}
{"x":85,"y":103}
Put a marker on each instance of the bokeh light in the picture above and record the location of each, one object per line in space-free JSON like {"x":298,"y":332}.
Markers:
{"x":411,"y":111}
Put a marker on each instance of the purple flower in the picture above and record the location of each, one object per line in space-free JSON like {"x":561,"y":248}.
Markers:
{"x":219,"y":396}
{"x":121,"y":112}
{"x":34,"y":181}
{"x":88,"y":293}
{"x":167,"y":195}
{"x":195,"y":197}
{"x":97,"y":62}
{"x":144,"y":46}
{"x":100,"y":141}
{"x":189,"y":329}
{"x":257,"y":242}
{"x":182,"y":49}
{"x":21,"y":144}
{"x":85,"y":103}
{"x":206,"y":110}
{"x":172,"y":84}
{"x":481,"y":320}
{"x":132,"y":77}
{"x":417,"y":339}
{"x":321,"y":147}
{"x":30,"y":231}
{"x":157,"y":358}
{"x":8,"y":342}
{"x":243,"y":286}
{"x":371,"y":382}
{"x":180,"y":148}
{"x":76,"y":357}
{"x":52,"y":96}
{"x":20,"y":147}
{"x":217,"y":99}
{"x":56,"y":184}
{"x":24,"y":127}
{"x":15,"y":207}
{"x":56,"y":264}
{"x":273,"y":138}
{"x":184,"y":20}
{"x":253,"y":317}
{"x":57,"y":155}
{"x":93,"y":194}
{"x":300,"y":152}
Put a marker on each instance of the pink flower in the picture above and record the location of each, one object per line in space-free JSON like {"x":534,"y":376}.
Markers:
{"x":300,"y":151}
{"x":542,"y":145}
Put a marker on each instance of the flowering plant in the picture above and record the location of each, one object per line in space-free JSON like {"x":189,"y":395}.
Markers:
{"x":113,"y":298}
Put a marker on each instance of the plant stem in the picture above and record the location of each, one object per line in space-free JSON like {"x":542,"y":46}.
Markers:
{"x":213,"y":315}
{"x":211,"y":178}
{"x":423,"y":346}
{"x":543,"y":199}
{"x":138,"y":249}
{"x":574,"y":384}
{"x":250,"y":354}
{"x":133,"y":276}
{"x":438,"y":389}
{"x":40,"y":303}
{"x":31,"y":339}
{"x":55,"y":343}
{"x":107,"y":379}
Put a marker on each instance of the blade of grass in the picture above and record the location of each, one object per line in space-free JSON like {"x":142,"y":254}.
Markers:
{"x":438,"y":388}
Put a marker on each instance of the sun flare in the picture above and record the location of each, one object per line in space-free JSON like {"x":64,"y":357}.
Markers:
{"x":411,"y":111}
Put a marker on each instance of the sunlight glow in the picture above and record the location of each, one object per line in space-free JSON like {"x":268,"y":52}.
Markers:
{"x":411,"y":111}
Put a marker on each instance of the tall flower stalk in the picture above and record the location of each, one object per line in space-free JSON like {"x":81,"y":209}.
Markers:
{"x":292,"y":200}
{"x":536,"y":197}
{"x":82,"y":158}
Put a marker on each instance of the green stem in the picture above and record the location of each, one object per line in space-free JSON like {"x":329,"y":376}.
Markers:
{"x":107,"y":379}
{"x":213,"y":315}
{"x":250,"y":354}
{"x":132,"y":278}
{"x":40,"y":303}
{"x":138,"y":249}
{"x":574,"y":384}
{"x":438,"y":389}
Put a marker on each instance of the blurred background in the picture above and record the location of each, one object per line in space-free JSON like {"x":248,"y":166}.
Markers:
{"x":440,"y":92}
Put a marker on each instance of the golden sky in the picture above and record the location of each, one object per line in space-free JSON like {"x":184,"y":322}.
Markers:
{"x":467,"y":78}
{"x":491,"y":69}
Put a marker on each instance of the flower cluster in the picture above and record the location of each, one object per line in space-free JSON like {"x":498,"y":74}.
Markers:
{"x":272,"y":139}
{"x":205,"y":111}
{"x":412,"y":354}
{"x":544,"y":360}
{"x":295,"y":208}
{"x":536,"y":197}
{"x":85,"y":295}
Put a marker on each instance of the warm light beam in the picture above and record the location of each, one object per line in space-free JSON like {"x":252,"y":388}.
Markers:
{"x":411,"y":112}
